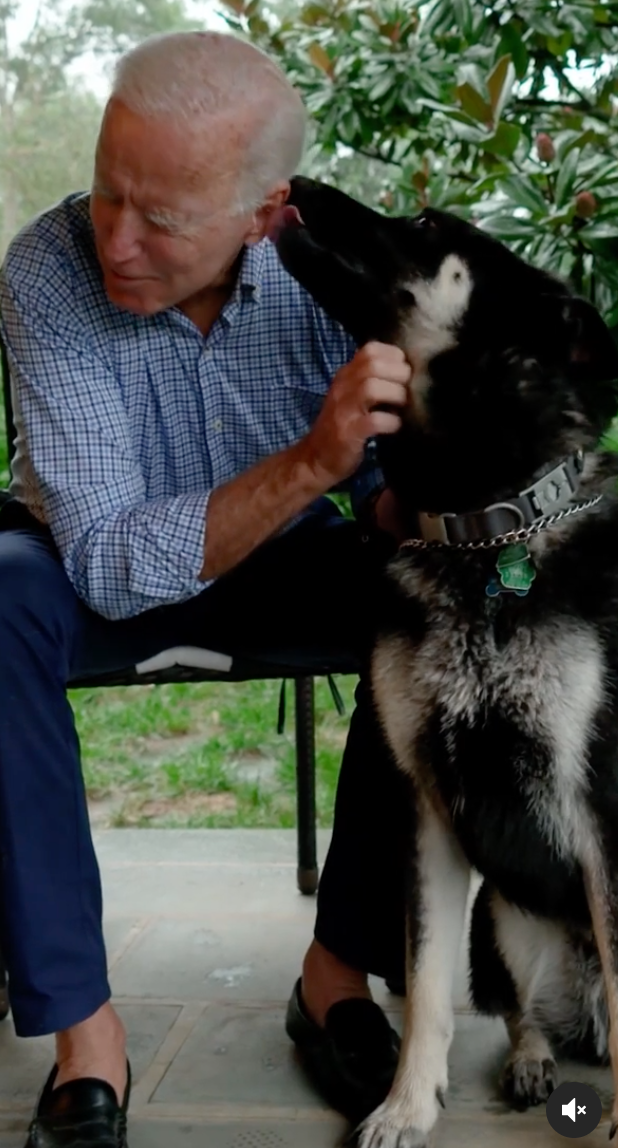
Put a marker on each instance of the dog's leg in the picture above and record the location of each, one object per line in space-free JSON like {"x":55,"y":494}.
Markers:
{"x":530,"y":1073}
{"x":602,"y":894}
{"x":435,"y":928}
{"x":535,"y":953}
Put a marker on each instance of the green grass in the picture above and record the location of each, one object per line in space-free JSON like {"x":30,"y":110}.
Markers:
{"x":202,"y":755}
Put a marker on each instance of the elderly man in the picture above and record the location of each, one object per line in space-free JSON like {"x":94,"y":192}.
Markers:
{"x":182,"y":406}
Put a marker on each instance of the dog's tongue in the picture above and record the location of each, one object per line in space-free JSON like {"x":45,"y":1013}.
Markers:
{"x":286,"y":216}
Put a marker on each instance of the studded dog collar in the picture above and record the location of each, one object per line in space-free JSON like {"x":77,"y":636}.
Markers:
{"x":511,"y":519}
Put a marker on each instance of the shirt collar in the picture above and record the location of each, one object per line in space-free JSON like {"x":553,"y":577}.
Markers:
{"x":249,"y":281}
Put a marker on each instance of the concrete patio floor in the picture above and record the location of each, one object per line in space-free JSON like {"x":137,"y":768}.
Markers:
{"x":205,"y":934}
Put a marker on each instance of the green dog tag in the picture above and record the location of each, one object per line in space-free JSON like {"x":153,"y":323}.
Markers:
{"x":515,"y":567}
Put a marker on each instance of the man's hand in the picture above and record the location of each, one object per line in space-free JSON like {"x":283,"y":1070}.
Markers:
{"x":249,"y":509}
{"x":335,"y":445}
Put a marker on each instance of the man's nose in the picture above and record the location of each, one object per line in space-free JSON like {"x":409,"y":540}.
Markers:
{"x":122,"y":239}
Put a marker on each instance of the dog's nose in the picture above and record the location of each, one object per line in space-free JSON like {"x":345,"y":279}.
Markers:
{"x":286,"y":216}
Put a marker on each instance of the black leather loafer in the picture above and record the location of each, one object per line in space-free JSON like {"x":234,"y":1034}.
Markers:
{"x":81,"y":1114}
{"x":351,"y":1062}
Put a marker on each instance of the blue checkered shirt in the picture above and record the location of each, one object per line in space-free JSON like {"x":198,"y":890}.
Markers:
{"x":126,"y":424}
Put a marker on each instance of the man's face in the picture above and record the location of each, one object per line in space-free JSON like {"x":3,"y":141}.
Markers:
{"x":160,"y":208}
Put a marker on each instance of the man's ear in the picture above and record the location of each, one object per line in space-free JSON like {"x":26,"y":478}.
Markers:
{"x":275,"y":200}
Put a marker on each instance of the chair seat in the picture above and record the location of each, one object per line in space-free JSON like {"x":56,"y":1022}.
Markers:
{"x":197,"y":664}
{"x":186,"y":656}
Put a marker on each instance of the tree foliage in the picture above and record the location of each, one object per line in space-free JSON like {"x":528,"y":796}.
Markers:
{"x":505,"y":113}
{"x":48,"y":118}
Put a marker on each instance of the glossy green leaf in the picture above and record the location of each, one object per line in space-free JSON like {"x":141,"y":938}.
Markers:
{"x":508,"y":227}
{"x":473,"y":103}
{"x":499,"y":85}
{"x":513,"y":44}
{"x":565,"y":182}
{"x":504,"y":141}
{"x":524,"y":193}
{"x":463,"y":15}
{"x":559,"y":45}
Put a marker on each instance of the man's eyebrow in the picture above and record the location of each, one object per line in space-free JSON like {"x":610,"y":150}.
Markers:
{"x":166,"y":217}
{"x":164,"y":212}
{"x":155,"y":211}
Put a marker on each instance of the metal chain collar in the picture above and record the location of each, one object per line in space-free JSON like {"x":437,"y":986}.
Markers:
{"x":520,"y":535}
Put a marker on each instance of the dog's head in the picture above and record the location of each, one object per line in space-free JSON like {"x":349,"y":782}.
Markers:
{"x":511,"y":371}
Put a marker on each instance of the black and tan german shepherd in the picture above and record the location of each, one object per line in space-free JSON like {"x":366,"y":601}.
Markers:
{"x":495,"y":673}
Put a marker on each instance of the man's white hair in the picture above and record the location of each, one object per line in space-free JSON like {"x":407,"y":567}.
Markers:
{"x":190,"y":77}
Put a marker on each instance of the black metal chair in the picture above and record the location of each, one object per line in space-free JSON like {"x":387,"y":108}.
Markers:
{"x":4,"y":992}
{"x":194,"y":664}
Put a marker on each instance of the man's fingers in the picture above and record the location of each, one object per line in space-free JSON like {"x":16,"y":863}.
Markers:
{"x":380,"y":422}
{"x":392,"y":370}
{"x":385,"y":360}
{"x":375,"y":348}
{"x":379,"y":391}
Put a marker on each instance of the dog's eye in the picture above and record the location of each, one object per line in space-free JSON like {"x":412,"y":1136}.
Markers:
{"x":424,"y":221}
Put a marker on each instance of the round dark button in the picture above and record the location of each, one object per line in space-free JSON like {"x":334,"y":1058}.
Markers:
{"x":574,"y":1109}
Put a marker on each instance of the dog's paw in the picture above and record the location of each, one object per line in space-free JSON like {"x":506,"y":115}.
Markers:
{"x":528,"y":1082}
{"x":397,"y":1124}
{"x":381,"y":1132}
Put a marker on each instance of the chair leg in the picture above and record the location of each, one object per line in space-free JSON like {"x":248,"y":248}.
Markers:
{"x":307,"y":872}
{"x":4,"y":993}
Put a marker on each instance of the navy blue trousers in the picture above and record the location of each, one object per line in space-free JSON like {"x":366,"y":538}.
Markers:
{"x":312,"y":589}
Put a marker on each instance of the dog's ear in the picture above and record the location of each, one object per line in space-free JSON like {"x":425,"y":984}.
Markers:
{"x":588,"y":354}
{"x":590,"y":350}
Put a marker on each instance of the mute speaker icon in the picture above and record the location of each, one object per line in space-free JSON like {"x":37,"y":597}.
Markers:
{"x":574,"y":1109}
{"x":569,"y":1109}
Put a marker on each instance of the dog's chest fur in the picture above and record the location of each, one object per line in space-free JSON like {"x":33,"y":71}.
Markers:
{"x":514,"y":716}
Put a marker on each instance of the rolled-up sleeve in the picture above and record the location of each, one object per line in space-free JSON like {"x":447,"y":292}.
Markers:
{"x":123,"y":553}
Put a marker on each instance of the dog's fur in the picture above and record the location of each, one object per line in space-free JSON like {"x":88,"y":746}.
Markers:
{"x":503,"y":711}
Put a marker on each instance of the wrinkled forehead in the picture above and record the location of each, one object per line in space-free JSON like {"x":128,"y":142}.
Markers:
{"x":168,"y":157}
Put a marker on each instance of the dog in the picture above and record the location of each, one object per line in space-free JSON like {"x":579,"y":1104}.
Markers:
{"x":495,"y":669}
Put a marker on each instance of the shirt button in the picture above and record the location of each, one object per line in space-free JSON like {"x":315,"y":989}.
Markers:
{"x":217,"y":424}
